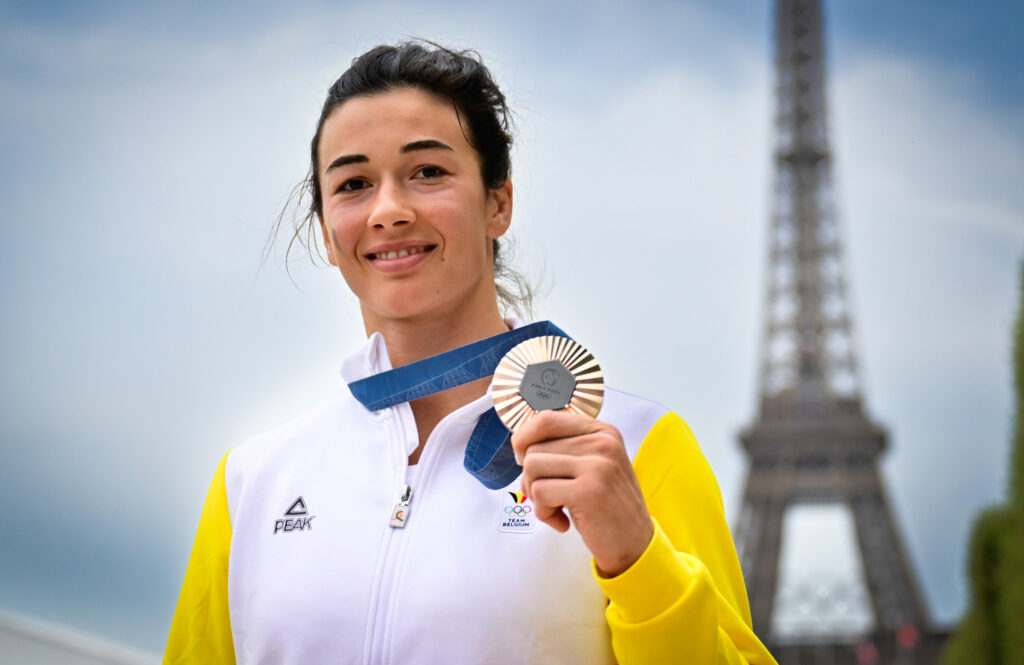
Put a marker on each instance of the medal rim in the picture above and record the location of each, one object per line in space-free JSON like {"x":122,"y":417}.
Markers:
{"x":587,"y":397}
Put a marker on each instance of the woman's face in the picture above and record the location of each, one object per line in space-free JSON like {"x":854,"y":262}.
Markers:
{"x":406,"y":217}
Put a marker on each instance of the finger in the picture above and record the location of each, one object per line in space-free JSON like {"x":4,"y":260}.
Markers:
{"x":548,"y":425}
{"x":551,"y":513}
{"x":538,"y":466}
{"x":572,"y":445}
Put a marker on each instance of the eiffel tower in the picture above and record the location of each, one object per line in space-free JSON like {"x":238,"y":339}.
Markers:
{"x":813,"y":441}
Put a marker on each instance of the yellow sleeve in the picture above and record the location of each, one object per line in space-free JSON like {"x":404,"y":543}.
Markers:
{"x":201,"y":628}
{"x":683,"y":600}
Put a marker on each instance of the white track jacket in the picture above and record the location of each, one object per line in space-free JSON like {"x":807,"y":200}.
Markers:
{"x":296,"y":561}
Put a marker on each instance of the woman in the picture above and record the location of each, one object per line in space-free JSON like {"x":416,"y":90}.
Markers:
{"x":354,"y":535}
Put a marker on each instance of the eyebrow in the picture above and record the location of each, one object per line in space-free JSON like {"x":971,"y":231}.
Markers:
{"x":426,"y":144}
{"x":346,"y":159}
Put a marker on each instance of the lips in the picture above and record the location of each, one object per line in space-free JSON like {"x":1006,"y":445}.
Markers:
{"x":399,"y":258}
{"x":390,"y":255}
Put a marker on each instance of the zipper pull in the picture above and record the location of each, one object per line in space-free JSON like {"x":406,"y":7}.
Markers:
{"x":400,"y":515}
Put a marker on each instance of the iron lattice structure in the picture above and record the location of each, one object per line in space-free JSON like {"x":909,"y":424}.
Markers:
{"x":812,"y":440}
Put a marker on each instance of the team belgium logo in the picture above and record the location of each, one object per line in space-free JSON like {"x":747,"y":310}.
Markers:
{"x":516,"y":512}
{"x":519,"y":507}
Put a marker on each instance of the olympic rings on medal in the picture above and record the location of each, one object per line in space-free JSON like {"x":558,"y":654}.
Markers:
{"x":518,"y":510}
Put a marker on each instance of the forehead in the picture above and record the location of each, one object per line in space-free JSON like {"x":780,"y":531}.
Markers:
{"x":381,"y":123}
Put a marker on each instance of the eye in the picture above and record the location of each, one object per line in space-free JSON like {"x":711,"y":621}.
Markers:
{"x":353,"y":185}
{"x":430,"y":172}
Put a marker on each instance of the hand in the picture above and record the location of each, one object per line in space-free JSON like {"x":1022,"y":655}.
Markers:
{"x":580,"y":464}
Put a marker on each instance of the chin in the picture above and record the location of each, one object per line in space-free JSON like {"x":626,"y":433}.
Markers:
{"x":405,"y":306}
{"x":414,"y":301}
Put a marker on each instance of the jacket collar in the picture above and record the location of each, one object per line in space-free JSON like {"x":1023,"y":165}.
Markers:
{"x":372,"y":358}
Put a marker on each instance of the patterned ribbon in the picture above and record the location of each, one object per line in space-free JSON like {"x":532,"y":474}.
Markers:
{"x":489,"y":455}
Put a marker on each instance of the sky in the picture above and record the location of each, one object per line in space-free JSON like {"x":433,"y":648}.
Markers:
{"x":148,"y":150}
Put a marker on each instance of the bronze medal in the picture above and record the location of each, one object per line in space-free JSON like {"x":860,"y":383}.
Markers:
{"x":548,"y":373}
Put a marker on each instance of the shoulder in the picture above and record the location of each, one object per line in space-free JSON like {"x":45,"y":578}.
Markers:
{"x":309,"y":422}
{"x":659,"y":442}
{"x":635,"y":417}
{"x":298,"y":436}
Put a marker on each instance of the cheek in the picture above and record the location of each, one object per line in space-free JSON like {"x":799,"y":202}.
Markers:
{"x":344,"y":235}
{"x":462,"y":222}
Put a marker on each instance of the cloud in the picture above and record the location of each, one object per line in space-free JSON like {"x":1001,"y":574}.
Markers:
{"x":141,"y":340}
{"x":935,"y":226}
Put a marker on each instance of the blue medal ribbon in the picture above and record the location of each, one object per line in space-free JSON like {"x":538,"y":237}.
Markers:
{"x":489,"y":455}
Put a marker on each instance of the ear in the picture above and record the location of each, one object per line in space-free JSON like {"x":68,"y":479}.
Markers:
{"x":499,"y":210}
{"x":327,"y":241}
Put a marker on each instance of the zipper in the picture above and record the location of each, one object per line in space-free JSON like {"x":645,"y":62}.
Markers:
{"x":373,"y":620}
{"x":400,"y":513}
{"x":383,"y":606}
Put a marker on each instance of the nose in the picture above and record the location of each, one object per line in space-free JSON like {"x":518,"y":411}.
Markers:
{"x":391,"y":207}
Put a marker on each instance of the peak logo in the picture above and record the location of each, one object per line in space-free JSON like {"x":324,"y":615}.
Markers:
{"x":296,"y":518}
{"x":516,"y":515}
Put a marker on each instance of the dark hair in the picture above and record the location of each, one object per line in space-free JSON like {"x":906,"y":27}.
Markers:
{"x":457,"y":76}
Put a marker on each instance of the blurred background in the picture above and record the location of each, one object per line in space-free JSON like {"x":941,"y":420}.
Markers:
{"x":148,"y":149}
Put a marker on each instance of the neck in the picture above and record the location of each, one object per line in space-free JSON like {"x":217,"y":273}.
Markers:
{"x":415,"y":338}
{"x":412,"y":339}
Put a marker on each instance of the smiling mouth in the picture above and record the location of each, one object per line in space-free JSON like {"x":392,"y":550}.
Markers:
{"x":399,"y":253}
